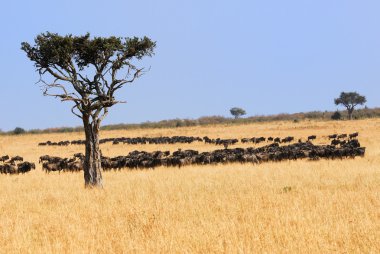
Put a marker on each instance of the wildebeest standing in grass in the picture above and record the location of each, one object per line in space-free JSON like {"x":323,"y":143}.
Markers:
{"x":354,"y":135}
{"x":69,"y":60}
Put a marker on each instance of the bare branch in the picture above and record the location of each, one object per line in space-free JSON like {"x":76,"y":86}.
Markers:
{"x":101,"y":118}
{"x":65,"y":96}
{"x":54,"y":74}
{"x":117,"y":84}
{"x":72,"y":110}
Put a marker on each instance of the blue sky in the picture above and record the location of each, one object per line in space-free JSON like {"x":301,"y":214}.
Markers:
{"x":267,"y":56}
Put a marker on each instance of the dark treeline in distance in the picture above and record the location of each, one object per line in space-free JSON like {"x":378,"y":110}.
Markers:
{"x":212,"y":120}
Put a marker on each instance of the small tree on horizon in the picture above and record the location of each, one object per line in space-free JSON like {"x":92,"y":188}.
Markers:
{"x":336,"y":115}
{"x":18,"y":130}
{"x":350,"y":100}
{"x":237,"y":112}
{"x":88,"y":72}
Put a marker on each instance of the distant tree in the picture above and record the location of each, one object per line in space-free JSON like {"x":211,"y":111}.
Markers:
{"x":88,"y":72}
{"x":18,"y":131}
{"x":336,"y":116}
{"x":350,"y":101}
{"x":237,"y":112}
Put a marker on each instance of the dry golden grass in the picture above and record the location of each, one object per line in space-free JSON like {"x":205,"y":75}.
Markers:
{"x":288,"y":207}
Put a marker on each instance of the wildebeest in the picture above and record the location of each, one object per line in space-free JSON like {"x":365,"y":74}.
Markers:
{"x":312,"y":137}
{"x":48,"y":167}
{"x":11,"y":167}
{"x":287,"y":139}
{"x":226,"y":142}
{"x":79,"y":155}
{"x":353,"y":135}
{"x":4,"y":158}
{"x":8,"y":169}
{"x":244,"y":140}
{"x":50,"y":159}
{"x":258,"y":140}
{"x":16,"y":158}
{"x":25,"y":167}
{"x":335,"y":142}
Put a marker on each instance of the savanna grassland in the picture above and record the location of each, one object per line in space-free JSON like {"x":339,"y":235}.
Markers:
{"x":326,"y":206}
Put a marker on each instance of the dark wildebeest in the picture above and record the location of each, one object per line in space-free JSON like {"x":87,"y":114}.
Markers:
{"x":4,"y":158}
{"x":79,"y":156}
{"x":258,"y":140}
{"x":312,"y":137}
{"x":9,"y":169}
{"x":354,"y":135}
{"x":335,"y":142}
{"x":342,"y":136}
{"x":287,"y":139}
{"x":16,"y":158}
{"x":25,"y":167}
{"x":48,"y":167}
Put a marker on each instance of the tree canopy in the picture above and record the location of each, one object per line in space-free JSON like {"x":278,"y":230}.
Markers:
{"x":237,"y":112}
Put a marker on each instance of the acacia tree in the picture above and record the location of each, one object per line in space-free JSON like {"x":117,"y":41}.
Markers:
{"x":87,"y":72}
{"x":350,"y":101}
{"x":237,"y":112}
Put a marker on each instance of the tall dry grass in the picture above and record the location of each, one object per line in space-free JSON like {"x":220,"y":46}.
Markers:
{"x":288,"y":207}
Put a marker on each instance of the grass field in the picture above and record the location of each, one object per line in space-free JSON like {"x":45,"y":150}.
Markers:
{"x":326,"y":206}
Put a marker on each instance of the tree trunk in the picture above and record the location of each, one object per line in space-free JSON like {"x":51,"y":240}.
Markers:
{"x":92,"y":163}
{"x":350,"y":111}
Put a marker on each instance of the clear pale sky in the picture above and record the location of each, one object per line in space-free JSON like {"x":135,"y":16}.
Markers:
{"x":267,"y":56}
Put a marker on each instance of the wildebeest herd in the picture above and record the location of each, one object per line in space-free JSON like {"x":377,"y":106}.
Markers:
{"x":179,"y":158}
{"x":342,"y":146}
{"x":15,"y":165}
{"x":129,"y":141}
{"x":191,"y":139}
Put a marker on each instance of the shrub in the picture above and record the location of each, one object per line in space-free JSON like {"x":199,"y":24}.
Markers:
{"x":336,"y":116}
{"x":18,"y":131}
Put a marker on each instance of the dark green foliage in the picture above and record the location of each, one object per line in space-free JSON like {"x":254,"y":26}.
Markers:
{"x":350,"y":101}
{"x":18,"y":131}
{"x":52,"y":50}
{"x":237,"y":112}
{"x":336,"y":116}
